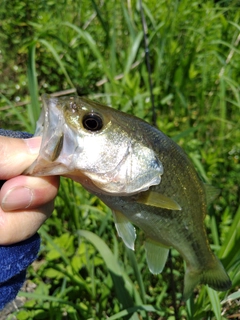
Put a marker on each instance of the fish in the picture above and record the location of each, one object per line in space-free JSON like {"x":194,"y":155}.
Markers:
{"x":141,"y":174}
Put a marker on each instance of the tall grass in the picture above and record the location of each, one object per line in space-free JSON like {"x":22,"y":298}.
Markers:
{"x":84,"y":271}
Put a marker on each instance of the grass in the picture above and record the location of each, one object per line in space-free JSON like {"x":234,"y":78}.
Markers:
{"x":84,"y":271}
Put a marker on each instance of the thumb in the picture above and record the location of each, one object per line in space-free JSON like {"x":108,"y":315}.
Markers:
{"x":17,"y":155}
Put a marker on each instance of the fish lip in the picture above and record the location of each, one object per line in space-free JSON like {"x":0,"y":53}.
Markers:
{"x":52,"y":126}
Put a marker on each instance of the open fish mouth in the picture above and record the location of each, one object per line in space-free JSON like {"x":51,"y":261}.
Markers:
{"x":59,"y":141}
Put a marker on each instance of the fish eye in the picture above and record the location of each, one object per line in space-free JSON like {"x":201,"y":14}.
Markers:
{"x":92,"y":122}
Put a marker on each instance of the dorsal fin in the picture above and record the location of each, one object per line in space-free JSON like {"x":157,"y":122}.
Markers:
{"x":211,"y":193}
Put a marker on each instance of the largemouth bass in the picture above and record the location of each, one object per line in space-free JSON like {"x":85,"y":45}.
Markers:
{"x":140,"y":173}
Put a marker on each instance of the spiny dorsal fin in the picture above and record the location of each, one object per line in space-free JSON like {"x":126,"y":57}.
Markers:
{"x":156,"y":256}
{"x":155,"y":199}
{"x":211,"y":193}
{"x":125,"y":229}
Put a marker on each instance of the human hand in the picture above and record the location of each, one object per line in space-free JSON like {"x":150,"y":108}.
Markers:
{"x":25,"y":202}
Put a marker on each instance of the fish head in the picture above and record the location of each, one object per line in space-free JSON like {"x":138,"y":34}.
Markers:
{"x":100,"y":147}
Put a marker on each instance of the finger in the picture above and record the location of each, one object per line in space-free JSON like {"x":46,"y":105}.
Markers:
{"x":17,"y":155}
{"x":24,"y":192}
{"x":31,"y":198}
{"x":16,"y":226}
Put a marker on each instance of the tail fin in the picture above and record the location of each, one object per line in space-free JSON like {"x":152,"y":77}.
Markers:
{"x":216,"y":277}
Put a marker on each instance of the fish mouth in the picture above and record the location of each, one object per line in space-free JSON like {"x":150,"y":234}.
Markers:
{"x":59,"y":141}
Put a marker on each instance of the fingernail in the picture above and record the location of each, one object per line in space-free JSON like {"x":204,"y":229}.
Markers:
{"x":33,"y":144}
{"x":17,"y":198}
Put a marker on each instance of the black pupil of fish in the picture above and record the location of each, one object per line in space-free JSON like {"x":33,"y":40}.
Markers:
{"x":92,"y":122}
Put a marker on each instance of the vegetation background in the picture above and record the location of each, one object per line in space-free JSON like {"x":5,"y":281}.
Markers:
{"x":84,"y":271}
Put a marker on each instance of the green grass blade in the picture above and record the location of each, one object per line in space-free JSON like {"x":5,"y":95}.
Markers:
{"x":126,"y":312}
{"x":230,"y":248}
{"x":129,"y":20}
{"x":134,"y":264}
{"x":185,"y":133}
{"x":113,"y":43}
{"x":58,"y":59}
{"x":228,"y":45}
{"x":131,"y":55}
{"x":20,"y":116}
{"x":199,"y":166}
{"x":121,"y":282}
{"x":34,"y":111}
{"x":215,"y":302}
{"x":100,"y":17}
{"x":231,"y":297}
{"x":55,"y":246}
{"x":214,"y":230}
{"x":223,"y":113}
{"x":93,"y":46}
{"x":43,"y":297}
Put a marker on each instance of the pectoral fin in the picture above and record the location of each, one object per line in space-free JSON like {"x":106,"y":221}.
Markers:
{"x":125,"y":229}
{"x":156,"y":256}
{"x":155,"y":199}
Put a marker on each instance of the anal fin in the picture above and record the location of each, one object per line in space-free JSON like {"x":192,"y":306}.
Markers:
{"x":125,"y":229}
{"x":156,"y":256}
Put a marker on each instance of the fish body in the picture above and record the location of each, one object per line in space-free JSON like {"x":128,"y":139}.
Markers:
{"x":140,"y":173}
